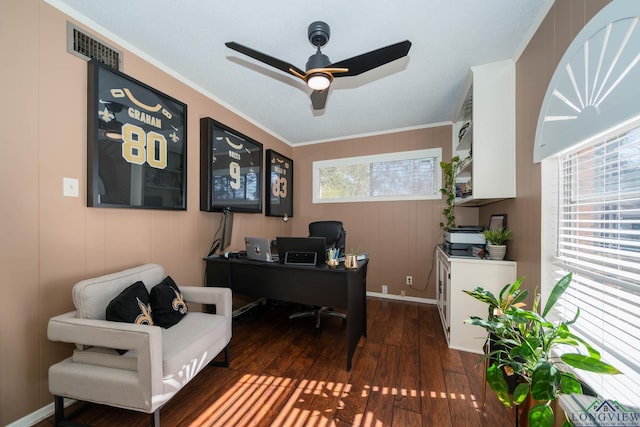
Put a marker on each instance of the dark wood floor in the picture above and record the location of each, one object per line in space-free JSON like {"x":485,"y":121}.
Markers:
{"x":285,"y":373}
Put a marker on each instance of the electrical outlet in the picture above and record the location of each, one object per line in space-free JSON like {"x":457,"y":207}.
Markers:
{"x":409,"y":280}
{"x":385,"y":289}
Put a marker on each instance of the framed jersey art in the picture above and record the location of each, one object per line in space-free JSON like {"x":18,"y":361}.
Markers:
{"x":279,"y":185}
{"x":230,"y":169}
{"x":137,"y":143}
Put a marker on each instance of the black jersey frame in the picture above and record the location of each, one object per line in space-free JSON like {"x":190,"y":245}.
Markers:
{"x":230,"y":169}
{"x":278,"y":180}
{"x":136,"y":143}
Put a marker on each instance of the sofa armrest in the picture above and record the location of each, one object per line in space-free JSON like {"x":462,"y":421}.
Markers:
{"x":145,"y":340}
{"x":221,"y":297}
{"x":102,"y":333}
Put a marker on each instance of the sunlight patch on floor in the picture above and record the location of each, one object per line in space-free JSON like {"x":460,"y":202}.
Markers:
{"x":257,"y":397}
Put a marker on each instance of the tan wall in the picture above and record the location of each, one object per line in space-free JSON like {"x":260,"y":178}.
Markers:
{"x":398,"y":236}
{"x":19,"y":175}
{"x":534,"y":70}
{"x":49,"y":242}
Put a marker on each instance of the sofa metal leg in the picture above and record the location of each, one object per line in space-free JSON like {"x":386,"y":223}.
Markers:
{"x":223,"y":363}
{"x":155,"y":418}
{"x":59,"y":418}
{"x":59,"y":410}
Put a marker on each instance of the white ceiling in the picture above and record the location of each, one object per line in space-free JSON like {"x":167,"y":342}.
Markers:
{"x":186,"y":39}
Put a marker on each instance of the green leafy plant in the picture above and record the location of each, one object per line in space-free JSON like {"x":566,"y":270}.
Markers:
{"x":497,"y":236}
{"x":450,"y":170}
{"x":523,"y":345}
{"x":354,"y":251}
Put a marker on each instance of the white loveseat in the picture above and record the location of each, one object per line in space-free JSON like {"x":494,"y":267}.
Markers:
{"x":157,"y":363}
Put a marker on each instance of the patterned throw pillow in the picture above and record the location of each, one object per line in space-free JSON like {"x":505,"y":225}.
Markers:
{"x":167,"y":303}
{"x":131,"y":306}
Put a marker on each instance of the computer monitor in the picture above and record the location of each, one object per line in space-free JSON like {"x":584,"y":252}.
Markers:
{"x":302,"y":245}
{"x":221,"y":245}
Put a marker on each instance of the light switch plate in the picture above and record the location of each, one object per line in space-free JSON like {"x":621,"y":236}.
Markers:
{"x":70,"y":187}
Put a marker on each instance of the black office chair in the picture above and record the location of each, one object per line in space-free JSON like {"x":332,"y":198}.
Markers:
{"x":335,"y":236}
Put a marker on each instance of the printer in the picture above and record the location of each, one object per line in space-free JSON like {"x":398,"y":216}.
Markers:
{"x":466,"y":241}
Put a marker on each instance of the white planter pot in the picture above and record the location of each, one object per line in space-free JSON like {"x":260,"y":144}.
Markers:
{"x":496,"y":252}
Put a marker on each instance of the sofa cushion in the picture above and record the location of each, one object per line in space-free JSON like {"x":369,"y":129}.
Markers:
{"x":184,"y":347}
{"x":131,"y":306}
{"x":187,"y":346}
{"x":167,"y":303}
{"x":92,"y":296}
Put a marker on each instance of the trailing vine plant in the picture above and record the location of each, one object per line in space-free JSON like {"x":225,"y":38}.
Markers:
{"x":450,"y":171}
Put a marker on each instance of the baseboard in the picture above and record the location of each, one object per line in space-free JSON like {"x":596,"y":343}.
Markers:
{"x":247,"y":307}
{"x":39,"y":415}
{"x":467,"y":349}
{"x":402,"y":298}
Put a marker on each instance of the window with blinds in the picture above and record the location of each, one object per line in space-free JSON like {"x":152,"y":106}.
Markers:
{"x":405,"y":175}
{"x":598,"y":239}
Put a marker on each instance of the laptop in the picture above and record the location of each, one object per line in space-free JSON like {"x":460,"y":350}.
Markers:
{"x":302,"y":250}
{"x":258,"y":249}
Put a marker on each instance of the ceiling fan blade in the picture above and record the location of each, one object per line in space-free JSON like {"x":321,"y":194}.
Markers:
{"x":269,"y":60}
{"x":319,"y":98}
{"x":370,"y":60}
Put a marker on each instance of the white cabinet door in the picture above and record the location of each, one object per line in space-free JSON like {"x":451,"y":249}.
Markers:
{"x":443,"y":280}
{"x":454,"y":276}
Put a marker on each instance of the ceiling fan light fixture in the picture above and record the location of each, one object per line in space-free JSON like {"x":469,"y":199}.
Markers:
{"x":318,"y":81}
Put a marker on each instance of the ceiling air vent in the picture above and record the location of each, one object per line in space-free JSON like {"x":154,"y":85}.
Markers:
{"x":87,"y":47}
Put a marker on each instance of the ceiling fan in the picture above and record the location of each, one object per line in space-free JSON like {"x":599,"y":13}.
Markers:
{"x":320,"y":72}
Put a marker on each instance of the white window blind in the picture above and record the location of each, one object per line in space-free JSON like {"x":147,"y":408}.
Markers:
{"x":598,"y":239}
{"x":406,"y":175}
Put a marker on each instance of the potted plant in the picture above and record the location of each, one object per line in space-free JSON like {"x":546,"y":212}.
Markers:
{"x":524,"y":345}
{"x":450,"y":171}
{"x":497,"y":242}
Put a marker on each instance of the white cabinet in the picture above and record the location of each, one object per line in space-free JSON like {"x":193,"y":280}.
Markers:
{"x":453,"y":276}
{"x":487,"y":109}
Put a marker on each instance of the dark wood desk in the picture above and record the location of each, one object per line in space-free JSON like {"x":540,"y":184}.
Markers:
{"x":322,"y":286}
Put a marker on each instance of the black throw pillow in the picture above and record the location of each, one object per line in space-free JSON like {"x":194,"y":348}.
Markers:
{"x":131,"y":306}
{"x":167,"y":303}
